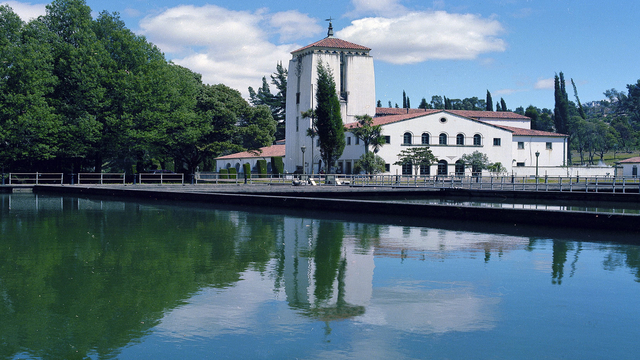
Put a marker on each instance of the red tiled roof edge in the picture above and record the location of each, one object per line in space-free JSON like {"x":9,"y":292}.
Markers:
{"x":475,"y":114}
{"x":267,"y":151}
{"x":635,"y":159}
{"x":331,"y":42}
{"x":528,"y":132}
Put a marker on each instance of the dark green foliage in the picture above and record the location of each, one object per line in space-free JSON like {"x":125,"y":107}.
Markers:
{"x":277,"y":103}
{"x":277,"y":165}
{"x":246,"y":168}
{"x":477,"y":161}
{"x":371,"y":135}
{"x":262,"y":168}
{"x":233,"y":173}
{"x":379,"y":104}
{"x":224,"y":174}
{"x":503,"y":105}
{"x":489,"y":102}
{"x":369,"y":163}
{"x":424,"y":104}
{"x":328,"y":118}
{"x":416,"y":156}
{"x":78,"y":94}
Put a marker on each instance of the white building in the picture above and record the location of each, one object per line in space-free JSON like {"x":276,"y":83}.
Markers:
{"x":629,"y":167}
{"x":504,"y":137}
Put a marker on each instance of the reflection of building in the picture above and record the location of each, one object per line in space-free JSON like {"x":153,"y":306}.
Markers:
{"x":324,"y":276}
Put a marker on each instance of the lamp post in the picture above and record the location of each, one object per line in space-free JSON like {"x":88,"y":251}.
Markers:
{"x":537,"y":155}
{"x":303,"y":149}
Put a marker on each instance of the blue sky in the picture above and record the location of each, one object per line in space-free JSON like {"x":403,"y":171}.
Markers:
{"x":458,"y":49}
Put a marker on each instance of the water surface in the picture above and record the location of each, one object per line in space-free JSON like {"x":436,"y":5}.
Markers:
{"x":100,"y":278}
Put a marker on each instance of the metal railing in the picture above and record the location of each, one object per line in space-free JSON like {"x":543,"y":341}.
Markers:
{"x":101,"y":178}
{"x":160,"y":178}
{"x":35,"y":178}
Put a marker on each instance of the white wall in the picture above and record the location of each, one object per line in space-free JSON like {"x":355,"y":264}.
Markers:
{"x":519,"y":123}
{"x":451,"y":152}
{"x":360,"y":85}
{"x":548,"y":157}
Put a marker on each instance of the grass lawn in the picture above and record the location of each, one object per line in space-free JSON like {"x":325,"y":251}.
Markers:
{"x":608,"y":157}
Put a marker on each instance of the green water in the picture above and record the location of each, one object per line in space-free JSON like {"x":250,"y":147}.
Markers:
{"x":100,"y":278}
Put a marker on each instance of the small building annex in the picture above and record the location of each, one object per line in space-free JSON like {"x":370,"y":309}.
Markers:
{"x":630,"y":166}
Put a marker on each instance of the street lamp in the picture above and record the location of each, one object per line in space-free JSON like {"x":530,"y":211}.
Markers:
{"x":537,"y":155}
{"x":304,"y":148}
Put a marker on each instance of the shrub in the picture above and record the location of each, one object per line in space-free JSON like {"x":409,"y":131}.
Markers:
{"x":246,"y":167}
{"x":233,"y":173}
{"x":262,"y":168}
{"x":277,"y":165}
{"x":224,"y":174}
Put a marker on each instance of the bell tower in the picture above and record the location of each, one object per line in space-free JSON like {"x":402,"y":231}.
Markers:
{"x":352,"y":69}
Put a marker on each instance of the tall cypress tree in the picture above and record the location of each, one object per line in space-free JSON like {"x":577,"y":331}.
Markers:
{"x":404,"y":100}
{"x":503,"y":104}
{"x":561,"y":110}
{"x":489,"y":101}
{"x":329,"y":120}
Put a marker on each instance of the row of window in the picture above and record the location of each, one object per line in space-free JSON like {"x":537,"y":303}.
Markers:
{"x":521,"y":145}
{"x":442,"y":139}
{"x":443,"y":168}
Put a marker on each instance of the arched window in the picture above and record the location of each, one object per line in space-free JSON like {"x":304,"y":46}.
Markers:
{"x":443,"y":139}
{"x":406,"y":168}
{"x":477,"y":140}
{"x":443,"y":167}
{"x":425,"y":170}
{"x":460,"y":139}
{"x":459,"y":168}
{"x":425,"y":138}
{"x":407,"y":138}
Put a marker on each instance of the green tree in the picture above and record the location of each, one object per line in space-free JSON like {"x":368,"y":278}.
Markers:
{"x":379,"y":104}
{"x":371,"y":135}
{"x":561,"y":109}
{"x":497,"y":168}
{"x":28,"y":124}
{"x":489,"y":102}
{"x":369,"y":163}
{"x":437,"y":102}
{"x":329,"y":120}
{"x":424,"y":104}
{"x":416,"y":157}
{"x":277,"y":102}
{"x":404,"y":99}
{"x":477,"y":161}
{"x":503,"y":105}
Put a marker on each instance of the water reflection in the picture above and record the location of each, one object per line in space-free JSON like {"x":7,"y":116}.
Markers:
{"x":92,"y":278}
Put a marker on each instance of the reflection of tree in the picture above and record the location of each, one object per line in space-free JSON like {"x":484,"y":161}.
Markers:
{"x":624,"y":255}
{"x":559,"y":258}
{"x":78,"y":283}
{"x":327,"y":258}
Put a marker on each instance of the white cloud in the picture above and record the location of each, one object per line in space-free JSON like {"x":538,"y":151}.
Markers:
{"x":292,"y":25}
{"x":26,"y":11}
{"x":421,"y":36}
{"x":225,"y":46}
{"x":544,"y":84}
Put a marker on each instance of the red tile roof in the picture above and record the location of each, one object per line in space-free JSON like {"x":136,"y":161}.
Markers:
{"x":528,"y":132}
{"x":267,"y":151}
{"x":333,"y":43}
{"x":473,"y":114}
{"x":632,"y":160}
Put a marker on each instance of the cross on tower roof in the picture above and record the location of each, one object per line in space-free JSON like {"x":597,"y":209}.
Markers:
{"x":330,"y":31}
